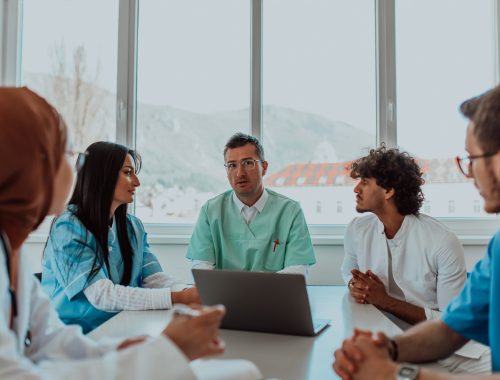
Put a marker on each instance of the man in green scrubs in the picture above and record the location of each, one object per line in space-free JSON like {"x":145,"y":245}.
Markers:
{"x":250,"y":228}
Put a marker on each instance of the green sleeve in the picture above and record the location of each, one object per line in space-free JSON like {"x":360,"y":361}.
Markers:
{"x":299,"y":248}
{"x":201,"y":245}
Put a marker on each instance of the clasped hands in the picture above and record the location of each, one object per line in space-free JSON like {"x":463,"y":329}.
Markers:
{"x":365,"y":356}
{"x":367,"y":288}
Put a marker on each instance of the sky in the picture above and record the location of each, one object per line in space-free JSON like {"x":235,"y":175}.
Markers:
{"x":318,"y":56}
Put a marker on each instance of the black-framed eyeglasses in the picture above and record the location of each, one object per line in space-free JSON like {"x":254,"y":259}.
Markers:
{"x":80,"y":159}
{"x":247,"y":164}
{"x":465,"y":163}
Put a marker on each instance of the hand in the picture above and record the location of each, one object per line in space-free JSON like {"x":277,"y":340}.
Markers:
{"x":370,"y":289}
{"x":375,"y":364}
{"x":186,"y":296}
{"x":349,"y":357}
{"x":131,"y":342}
{"x":357,"y":287}
{"x":197,"y":336}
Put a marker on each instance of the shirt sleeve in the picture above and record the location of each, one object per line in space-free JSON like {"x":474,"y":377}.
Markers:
{"x":150,"y":264}
{"x":107,"y":296}
{"x":296,"y":269}
{"x":71,"y":250}
{"x":199,"y":264}
{"x":350,"y":256}
{"x":468,"y":313}
{"x":201,"y":246}
{"x":299,"y":248}
{"x":451,"y":274}
{"x":163,"y":280}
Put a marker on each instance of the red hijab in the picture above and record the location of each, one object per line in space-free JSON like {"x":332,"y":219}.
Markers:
{"x":32,"y":144}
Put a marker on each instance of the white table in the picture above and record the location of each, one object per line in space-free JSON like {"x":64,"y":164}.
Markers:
{"x":278,"y":356}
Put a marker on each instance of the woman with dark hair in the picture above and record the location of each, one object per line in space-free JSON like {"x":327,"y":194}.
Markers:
{"x":97,"y":259}
{"x":35,"y":180}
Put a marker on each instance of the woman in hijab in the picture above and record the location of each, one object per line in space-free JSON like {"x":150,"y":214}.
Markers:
{"x":35,"y":180}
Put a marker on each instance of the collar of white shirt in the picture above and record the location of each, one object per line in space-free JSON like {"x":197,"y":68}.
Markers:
{"x":249,"y":212}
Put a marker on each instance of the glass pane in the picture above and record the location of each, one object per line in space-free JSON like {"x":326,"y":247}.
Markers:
{"x":439,"y":66}
{"x":319,"y":95}
{"x":193,"y":94}
{"x":69,"y":56}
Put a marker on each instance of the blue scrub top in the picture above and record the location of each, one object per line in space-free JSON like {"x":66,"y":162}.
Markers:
{"x":475,"y":312}
{"x":68,"y":259}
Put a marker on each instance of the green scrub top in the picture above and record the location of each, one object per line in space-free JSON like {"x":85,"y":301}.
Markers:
{"x":277,"y":238}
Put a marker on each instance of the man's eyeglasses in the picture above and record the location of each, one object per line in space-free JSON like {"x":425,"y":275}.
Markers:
{"x":465,"y":163}
{"x":247,"y":164}
{"x":78,"y":158}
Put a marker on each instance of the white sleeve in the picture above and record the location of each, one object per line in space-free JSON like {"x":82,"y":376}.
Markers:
{"x":296,"y":269}
{"x":451,"y":274}
{"x":157,"y":358}
{"x":350,"y":257}
{"x":60,"y":352}
{"x":200,"y":264}
{"x":163,"y":280}
{"x":105,"y":295}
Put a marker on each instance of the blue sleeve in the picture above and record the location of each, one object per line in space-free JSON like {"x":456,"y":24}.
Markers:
{"x":150,"y":264}
{"x":299,"y":248}
{"x":201,"y":245}
{"x":71,"y":252}
{"x":468,"y":313}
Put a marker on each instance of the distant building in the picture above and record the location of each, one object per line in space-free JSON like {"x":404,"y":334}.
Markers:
{"x":325,"y":190}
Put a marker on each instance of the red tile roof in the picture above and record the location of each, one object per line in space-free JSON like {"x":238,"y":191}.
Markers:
{"x":435,"y":170}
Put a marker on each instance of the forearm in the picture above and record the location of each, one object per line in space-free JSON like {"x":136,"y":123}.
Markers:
{"x":105,"y":295}
{"x":403,"y":310}
{"x":425,"y":374}
{"x":429,"y":341}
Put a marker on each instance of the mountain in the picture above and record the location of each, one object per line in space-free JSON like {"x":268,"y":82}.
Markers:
{"x":185,"y":149}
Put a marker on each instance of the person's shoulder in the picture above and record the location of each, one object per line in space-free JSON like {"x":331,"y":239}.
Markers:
{"x":430,"y":224}
{"x":68,"y":218}
{"x":363,"y":222}
{"x":280,"y":198}
{"x":219,"y":199}
{"x":135,"y":221}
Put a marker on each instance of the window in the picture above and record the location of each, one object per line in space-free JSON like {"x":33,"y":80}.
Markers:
{"x":327,"y":90}
{"x":193,"y":93}
{"x":74,"y":65}
{"x":319,"y":98}
{"x":437,"y":68}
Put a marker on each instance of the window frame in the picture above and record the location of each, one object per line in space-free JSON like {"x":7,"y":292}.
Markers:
{"x":471,"y":231}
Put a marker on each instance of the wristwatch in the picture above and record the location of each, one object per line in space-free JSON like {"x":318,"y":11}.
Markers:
{"x":408,"y":372}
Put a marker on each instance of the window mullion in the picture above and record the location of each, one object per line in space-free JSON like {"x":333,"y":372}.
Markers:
{"x":126,"y":83}
{"x":256,"y":70}
{"x":386,"y":72}
{"x":10,"y":42}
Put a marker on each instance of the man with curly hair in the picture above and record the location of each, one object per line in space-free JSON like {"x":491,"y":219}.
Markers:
{"x":405,"y":263}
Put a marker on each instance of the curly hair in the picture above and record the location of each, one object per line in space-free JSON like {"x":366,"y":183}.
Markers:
{"x":396,"y":170}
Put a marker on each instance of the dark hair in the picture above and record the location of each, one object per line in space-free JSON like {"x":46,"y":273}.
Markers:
{"x":241,"y":139}
{"x":484,"y":112}
{"x":396,"y":170}
{"x":93,"y":196}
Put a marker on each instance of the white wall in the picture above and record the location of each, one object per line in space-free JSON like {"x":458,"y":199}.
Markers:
{"x":325,"y":272}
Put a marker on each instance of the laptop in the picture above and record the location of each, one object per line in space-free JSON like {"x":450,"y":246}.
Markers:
{"x":257,"y":301}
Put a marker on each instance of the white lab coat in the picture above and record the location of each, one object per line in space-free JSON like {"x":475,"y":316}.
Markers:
{"x":58,"y":351}
{"x":428,"y":266}
{"x":427,"y":259}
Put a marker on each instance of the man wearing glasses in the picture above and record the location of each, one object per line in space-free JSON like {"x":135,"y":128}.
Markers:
{"x":475,"y":312}
{"x":250,"y":228}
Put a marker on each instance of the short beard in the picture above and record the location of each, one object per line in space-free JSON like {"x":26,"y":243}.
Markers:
{"x":362,"y":210}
